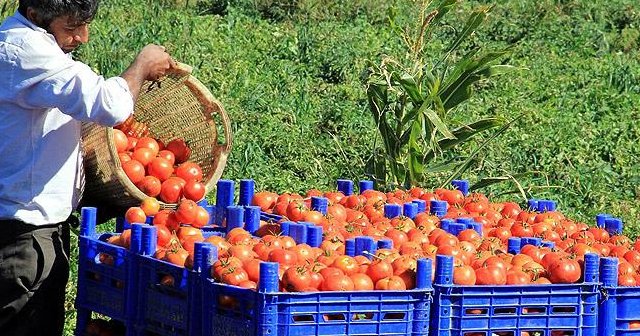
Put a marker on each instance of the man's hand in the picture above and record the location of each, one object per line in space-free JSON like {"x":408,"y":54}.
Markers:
{"x":151,"y":64}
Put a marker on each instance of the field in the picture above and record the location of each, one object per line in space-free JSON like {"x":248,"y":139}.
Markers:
{"x":290,"y":74}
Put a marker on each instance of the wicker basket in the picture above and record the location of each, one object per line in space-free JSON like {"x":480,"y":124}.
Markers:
{"x":179,"y":107}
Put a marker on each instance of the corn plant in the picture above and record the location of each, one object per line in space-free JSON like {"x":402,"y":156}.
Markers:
{"x":412,"y":99}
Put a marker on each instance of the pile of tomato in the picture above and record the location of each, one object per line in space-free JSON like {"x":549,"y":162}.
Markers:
{"x":479,"y":258}
{"x":159,"y":170}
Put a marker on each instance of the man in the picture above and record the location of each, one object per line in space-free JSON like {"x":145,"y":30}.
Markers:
{"x":44,"y":96}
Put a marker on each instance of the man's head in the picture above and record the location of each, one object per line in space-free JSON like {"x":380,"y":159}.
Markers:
{"x":67,"y":20}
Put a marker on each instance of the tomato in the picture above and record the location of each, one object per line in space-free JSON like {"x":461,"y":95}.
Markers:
{"x":131,"y":143}
{"x":177,"y":256}
{"x":221,"y":265}
{"x":171,"y":191}
{"x":337,"y":282}
{"x":180,"y":149}
{"x":361,"y":282}
{"x":564,"y":271}
{"x":337,"y":211}
{"x":296,"y":211}
{"x":379,"y":269}
{"x":252,"y":267}
{"x":185,"y":232}
{"x":120,"y":140}
{"x":393,"y":282}
{"x":186,"y":211}
{"x":163,"y":235}
{"x":296,"y":278}
{"x":161,"y":217}
{"x":284,"y":257}
{"x":315,"y":217}
{"x":348,"y":265}
{"x":135,"y":215}
{"x":515,"y":277}
{"x":160,"y":168}
{"x":189,"y":171}
{"x":194,"y":190}
{"x":143,"y":155}
{"x":491,"y":275}
{"x":626,"y":280}
{"x":167,"y":155}
{"x":234,"y":276}
{"x":634,"y":325}
{"x":201,"y":219}
{"x":464,"y":275}
{"x":134,"y":170}
{"x":150,"y":206}
{"x":264,"y":199}
{"x":124,"y":157}
{"x":150,"y":186}
{"x":148,"y":143}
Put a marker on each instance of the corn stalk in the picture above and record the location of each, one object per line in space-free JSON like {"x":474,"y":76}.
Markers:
{"x":411,"y":101}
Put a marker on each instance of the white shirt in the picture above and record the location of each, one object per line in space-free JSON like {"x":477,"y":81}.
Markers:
{"x":44,"y":97}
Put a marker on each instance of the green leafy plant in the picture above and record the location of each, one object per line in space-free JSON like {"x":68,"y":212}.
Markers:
{"x":412,"y":100}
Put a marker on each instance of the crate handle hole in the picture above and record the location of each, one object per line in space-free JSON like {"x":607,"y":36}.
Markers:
{"x":533,"y":310}
{"x":476,"y":311}
{"x":563,"y":310}
{"x":333,"y":317}
{"x":475,"y":333}
{"x":303,"y":318}
{"x":362,"y":316}
{"x":504,"y":311}
{"x":563,"y":333}
{"x":394,"y":316}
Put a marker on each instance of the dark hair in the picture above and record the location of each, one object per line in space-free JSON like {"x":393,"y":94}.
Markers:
{"x":48,"y":10}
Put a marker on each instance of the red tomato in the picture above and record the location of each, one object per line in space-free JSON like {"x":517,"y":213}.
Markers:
{"x":160,"y":168}
{"x":393,"y":282}
{"x":186,"y":211}
{"x":161,"y":217}
{"x":120,"y":140}
{"x":265,"y":200}
{"x":348,"y":265}
{"x":149,"y":143}
{"x":171,"y":191}
{"x":296,"y":279}
{"x":135,"y":215}
{"x":176,"y":257}
{"x":284,"y":257}
{"x":337,"y":282}
{"x":564,"y":271}
{"x":167,"y":155}
{"x":379,"y":269}
{"x":361,"y":282}
{"x":143,"y":155}
{"x":234,"y":276}
{"x":131,"y":143}
{"x":134,"y":170}
{"x":201,"y":219}
{"x":180,"y":149}
{"x":189,"y":171}
{"x":464,"y":275}
{"x":194,"y":190}
{"x":164,"y":235}
{"x":491,"y":276}
{"x":150,"y":186}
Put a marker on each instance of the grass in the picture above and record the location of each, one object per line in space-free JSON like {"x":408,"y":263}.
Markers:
{"x":290,"y":75}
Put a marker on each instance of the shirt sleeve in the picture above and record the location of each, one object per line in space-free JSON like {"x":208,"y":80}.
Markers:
{"x":48,"y":78}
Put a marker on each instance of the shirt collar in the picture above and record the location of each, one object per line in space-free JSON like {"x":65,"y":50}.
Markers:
{"x":23,"y":20}
{"x":28,"y":23}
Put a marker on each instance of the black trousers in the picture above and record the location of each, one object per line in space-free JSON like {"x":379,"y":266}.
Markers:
{"x":34,"y":270}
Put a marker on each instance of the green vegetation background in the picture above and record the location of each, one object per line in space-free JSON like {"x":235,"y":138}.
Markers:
{"x":289,"y":74}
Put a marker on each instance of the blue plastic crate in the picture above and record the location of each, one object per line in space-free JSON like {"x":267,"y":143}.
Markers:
{"x":619,"y":306}
{"x":230,"y":310}
{"x":105,"y":280}
{"x":169,"y":308}
{"x":544,"y":310}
